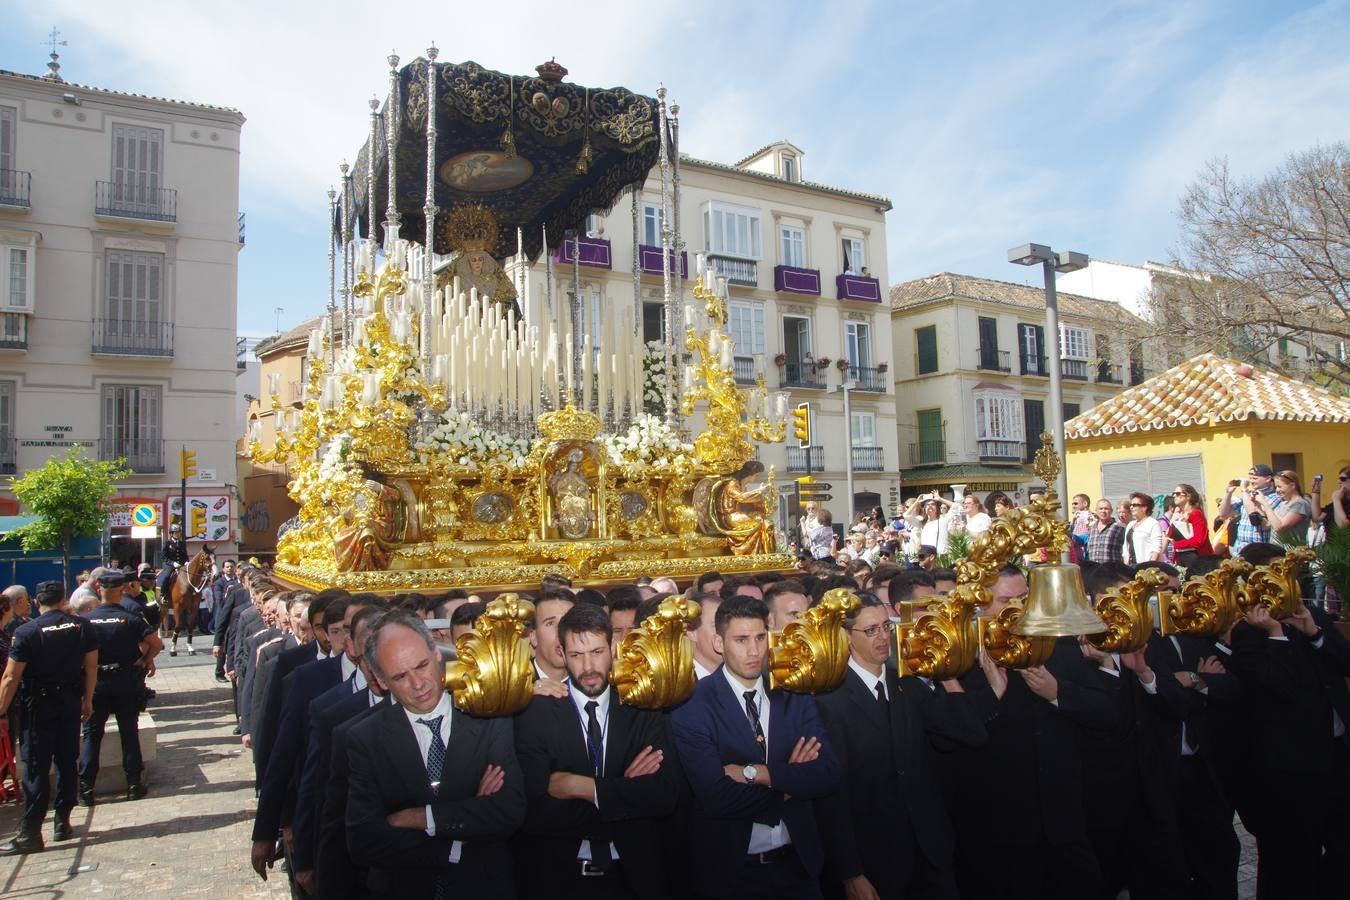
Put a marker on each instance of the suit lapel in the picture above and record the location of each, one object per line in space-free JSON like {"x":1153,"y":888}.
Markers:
{"x":866,"y":701}
{"x":403,"y":747}
{"x":738,"y":721}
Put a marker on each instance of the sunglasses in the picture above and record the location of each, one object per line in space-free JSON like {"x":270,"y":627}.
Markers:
{"x":1136,"y":504}
{"x":1343,"y":477}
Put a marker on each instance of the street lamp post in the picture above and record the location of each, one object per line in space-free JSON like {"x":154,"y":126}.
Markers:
{"x":846,"y":389}
{"x":1052,"y":262}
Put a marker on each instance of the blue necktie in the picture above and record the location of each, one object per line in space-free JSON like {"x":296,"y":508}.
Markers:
{"x":436,"y":755}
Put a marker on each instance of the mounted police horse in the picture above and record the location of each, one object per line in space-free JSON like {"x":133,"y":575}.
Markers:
{"x":185,"y":593}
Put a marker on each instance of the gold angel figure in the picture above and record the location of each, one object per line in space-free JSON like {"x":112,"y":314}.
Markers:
{"x":810,"y":655}
{"x":1206,"y":607}
{"x":728,"y":507}
{"x":1010,"y":650}
{"x":492,"y":675}
{"x":655,"y":665}
{"x":1275,"y":586}
{"x":1127,"y":614}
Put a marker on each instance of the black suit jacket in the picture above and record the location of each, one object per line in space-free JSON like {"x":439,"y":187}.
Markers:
{"x":386,"y":773}
{"x":227,"y":612}
{"x":711,"y":730}
{"x":330,"y":709}
{"x":550,"y":738}
{"x":246,"y":669}
{"x":280,"y":781}
{"x":267,"y":716}
{"x":888,"y":802}
{"x":336,"y":877}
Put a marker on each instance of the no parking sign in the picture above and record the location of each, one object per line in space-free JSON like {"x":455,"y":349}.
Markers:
{"x":144,"y":515}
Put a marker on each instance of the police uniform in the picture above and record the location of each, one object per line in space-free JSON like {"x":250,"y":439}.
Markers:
{"x":119,"y":634}
{"x":175,"y":551}
{"x":144,"y":605}
{"x":53,"y":648}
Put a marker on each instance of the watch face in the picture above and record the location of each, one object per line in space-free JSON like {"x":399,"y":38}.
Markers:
{"x":750,"y":772}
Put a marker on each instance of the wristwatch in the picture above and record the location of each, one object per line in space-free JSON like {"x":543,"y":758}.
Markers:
{"x":750,"y":773}
{"x":1195,"y":679}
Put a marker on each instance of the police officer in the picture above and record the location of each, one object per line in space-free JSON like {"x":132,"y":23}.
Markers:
{"x":126,"y":645}
{"x":138,"y":596}
{"x":53,"y":664}
{"x":175,"y":554}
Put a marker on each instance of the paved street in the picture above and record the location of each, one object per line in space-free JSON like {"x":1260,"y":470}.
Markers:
{"x":189,"y":838}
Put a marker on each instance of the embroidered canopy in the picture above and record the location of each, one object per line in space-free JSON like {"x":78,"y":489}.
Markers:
{"x":537,"y":151}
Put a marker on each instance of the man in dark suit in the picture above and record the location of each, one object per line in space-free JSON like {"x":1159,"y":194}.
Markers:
{"x":225,"y":616}
{"x":433,"y":793}
{"x":597,"y":779}
{"x":1023,"y":810}
{"x":296,"y":622}
{"x":335,"y":875}
{"x":274,"y":617}
{"x":326,"y":712}
{"x":276,"y":798}
{"x":1294,"y":673}
{"x":886,"y":829}
{"x":755,"y":760}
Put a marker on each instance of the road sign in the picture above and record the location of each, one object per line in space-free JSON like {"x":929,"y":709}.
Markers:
{"x":819,"y":498}
{"x":144,"y":515}
{"x":144,"y":532}
{"x":820,"y":485}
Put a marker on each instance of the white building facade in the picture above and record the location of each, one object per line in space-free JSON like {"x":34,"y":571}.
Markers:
{"x":806,"y":266}
{"x":119,"y":240}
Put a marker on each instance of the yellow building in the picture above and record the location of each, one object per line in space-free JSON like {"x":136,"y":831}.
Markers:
{"x":1203,"y":423}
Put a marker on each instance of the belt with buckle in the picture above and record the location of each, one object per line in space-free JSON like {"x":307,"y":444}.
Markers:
{"x":770,"y":856}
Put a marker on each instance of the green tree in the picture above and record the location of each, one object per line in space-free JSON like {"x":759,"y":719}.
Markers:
{"x":67,"y":496}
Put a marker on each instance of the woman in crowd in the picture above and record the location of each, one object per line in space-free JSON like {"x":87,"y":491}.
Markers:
{"x":977,"y":520}
{"x":1288,"y":521}
{"x":1188,"y":529}
{"x":1143,"y":536}
{"x":931,"y":525}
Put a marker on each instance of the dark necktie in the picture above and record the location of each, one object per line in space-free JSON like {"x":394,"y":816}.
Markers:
{"x":881,"y":695}
{"x":1133,"y":558}
{"x":435,"y":755}
{"x":752,"y":710}
{"x":601,"y":858}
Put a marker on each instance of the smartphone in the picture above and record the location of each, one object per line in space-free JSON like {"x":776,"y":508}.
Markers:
{"x":1317,"y":481}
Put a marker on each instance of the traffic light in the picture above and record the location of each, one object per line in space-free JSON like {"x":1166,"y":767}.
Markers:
{"x":196,"y":523}
{"x":187,"y":462}
{"x":801,"y":424}
{"x":806,"y":481}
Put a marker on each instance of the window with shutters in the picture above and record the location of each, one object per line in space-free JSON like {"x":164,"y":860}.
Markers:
{"x":745,"y":321}
{"x":732,"y":230}
{"x":133,"y":309}
{"x":1033,"y":415}
{"x":796,"y":340}
{"x":855,"y":256}
{"x":998,"y":416}
{"x":792,"y":240}
{"x":9,"y":179}
{"x":7,"y":443}
{"x":931,"y":448}
{"x":790,"y":171}
{"x":653,"y":322}
{"x":863,"y":428}
{"x":1073,"y":342}
{"x":1153,"y":475}
{"x":137,"y":168}
{"x":16,"y":273}
{"x":858,"y":344}
{"x":1070,"y":410}
{"x":1030,"y":348}
{"x":927,"y":353}
{"x":130,"y":427}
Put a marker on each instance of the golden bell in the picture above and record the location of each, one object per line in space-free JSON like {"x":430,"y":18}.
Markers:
{"x":1057,"y":605}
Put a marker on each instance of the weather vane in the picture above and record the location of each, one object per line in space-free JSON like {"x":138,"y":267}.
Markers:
{"x":54,"y":66}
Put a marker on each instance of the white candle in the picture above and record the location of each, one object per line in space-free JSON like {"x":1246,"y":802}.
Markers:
{"x":255,"y":432}
{"x":782,"y":403}
{"x":366,"y":257}
{"x":315,"y":344}
{"x":273,"y":383}
{"x":689,"y":380}
{"x":727,"y":361}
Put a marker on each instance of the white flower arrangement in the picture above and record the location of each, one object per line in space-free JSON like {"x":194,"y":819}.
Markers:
{"x":654,"y":374}
{"x":462,"y":441}
{"x":648,"y":440}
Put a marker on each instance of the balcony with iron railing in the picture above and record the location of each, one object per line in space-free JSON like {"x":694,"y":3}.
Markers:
{"x":799,"y":375}
{"x":743,"y":367}
{"x":649,"y":261}
{"x":928,"y":453}
{"x":8,"y":454}
{"x":806,"y":459}
{"x":114,"y":200}
{"x":1034,"y":365}
{"x":993,"y":359}
{"x":13,"y":331}
{"x":1077,"y":369}
{"x":744,"y":272}
{"x":869,"y":378}
{"x":144,"y":456}
{"x":997,"y":450}
{"x":1108,"y":373}
{"x":14,"y":188}
{"x":868,"y":459}
{"x":122,"y":337}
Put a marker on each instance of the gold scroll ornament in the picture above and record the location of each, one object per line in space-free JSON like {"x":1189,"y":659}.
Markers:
{"x":1126,"y":611}
{"x":654,"y":668}
{"x":492,"y":674}
{"x":810,"y":655}
{"x":1276,"y":586}
{"x":1207,"y":606}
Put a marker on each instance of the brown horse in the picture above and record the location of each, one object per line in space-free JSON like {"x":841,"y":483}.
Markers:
{"x":185,"y":596}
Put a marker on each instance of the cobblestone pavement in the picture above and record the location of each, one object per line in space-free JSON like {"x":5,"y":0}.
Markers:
{"x":189,"y":838}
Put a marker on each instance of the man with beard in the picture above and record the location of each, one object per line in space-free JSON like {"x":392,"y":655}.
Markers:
{"x":598,"y":778}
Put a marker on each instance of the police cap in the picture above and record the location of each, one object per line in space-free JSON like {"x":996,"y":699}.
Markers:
{"x":48,"y":593}
{"x":111,"y":578}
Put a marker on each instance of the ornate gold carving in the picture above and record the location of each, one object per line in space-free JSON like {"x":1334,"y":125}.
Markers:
{"x":569,"y":424}
{"x":942,"y":643}
{"x":492,"y":674}
{"x":810,"y":655}
{"x":1276,"y":586}
{"x":1010,"y":649}
{"x":1206,"y":607}
{"x":655,"y":664}
{"x":471,"y":227}
{"x":1126,"y":611}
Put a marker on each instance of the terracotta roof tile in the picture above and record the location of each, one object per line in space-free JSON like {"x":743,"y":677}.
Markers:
{"x":1209,"y":390}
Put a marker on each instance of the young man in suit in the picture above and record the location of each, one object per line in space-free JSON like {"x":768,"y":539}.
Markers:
{"x":755,"y":760}
{"x":433,"y":793}
{"x":597,"y":778}
{"x":886,"y":828}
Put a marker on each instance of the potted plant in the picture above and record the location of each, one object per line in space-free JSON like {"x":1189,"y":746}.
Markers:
{"x":822,"y":362}
{"x":841,"y":365}
{"x":780,"y":360}
{"x":883,"y":366}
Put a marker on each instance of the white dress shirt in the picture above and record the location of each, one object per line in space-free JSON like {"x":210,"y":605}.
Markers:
{"x":349,"y":669}
{"x":763,"y":838}
{"x":871,"y":681}
{"x":602,"y":716}
{"x":699,"y":672}
{"x":423,"y":735}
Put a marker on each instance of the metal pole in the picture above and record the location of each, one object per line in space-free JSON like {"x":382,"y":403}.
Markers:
{"x":848,"y":449}
{"x":1054,"y":418}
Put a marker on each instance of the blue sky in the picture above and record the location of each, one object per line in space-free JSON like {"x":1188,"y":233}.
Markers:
{"x":987,"y":124}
